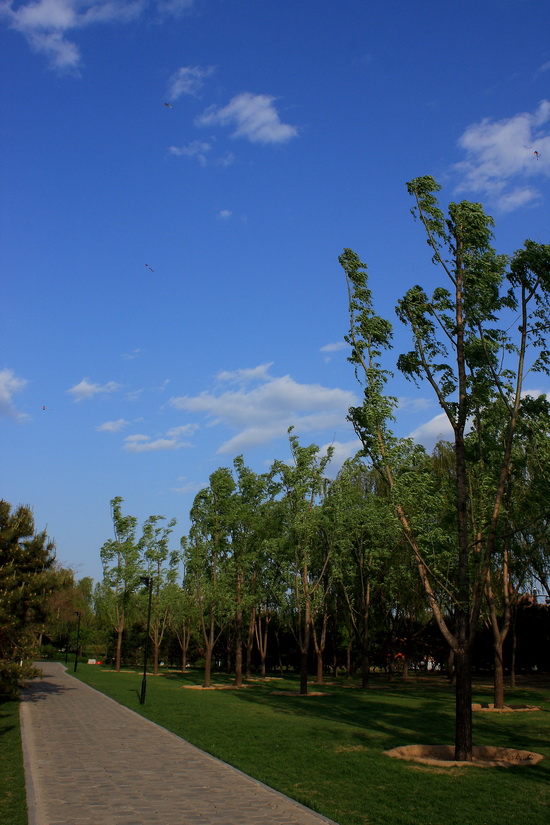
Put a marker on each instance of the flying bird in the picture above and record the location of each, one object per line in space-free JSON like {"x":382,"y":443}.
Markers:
{"x":149,"y":267}
{"x":168,"y":106}
{"x":536,"y":154}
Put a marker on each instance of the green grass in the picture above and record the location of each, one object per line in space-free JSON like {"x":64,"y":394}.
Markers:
{"x":327,"y":751}
{"x":13,"y":802}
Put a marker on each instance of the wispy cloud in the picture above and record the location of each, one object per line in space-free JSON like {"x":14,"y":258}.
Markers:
{"x":10,"y":385}
{"x":260,"y":407}
{"x":113,"y":426}
{"x":129,"y":356}
{"x":47,"y":25}
{"x":189,"y":487}
{"x":188,"y":80}
{"x":225,"y":214}
{"x":139,"y":443}
{"x":336,"y":347}
{"x":254,"y":117}
{"x":502,"y":155}
{"x":86,"y":389}
{"x":196,"y":149}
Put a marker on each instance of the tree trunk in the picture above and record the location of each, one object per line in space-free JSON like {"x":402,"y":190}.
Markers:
{"x":463,"y":706}
{"x":207,"y":665}
{"x":498,"y":688}
{"x":118,"y":657}
{"x":250,"y":642}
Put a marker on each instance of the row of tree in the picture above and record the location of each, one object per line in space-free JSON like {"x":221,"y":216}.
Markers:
{"x":399,"y":536}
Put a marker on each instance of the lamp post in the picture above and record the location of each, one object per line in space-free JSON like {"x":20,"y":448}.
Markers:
{"x":148,"y":582}
{"x":79,"y":614}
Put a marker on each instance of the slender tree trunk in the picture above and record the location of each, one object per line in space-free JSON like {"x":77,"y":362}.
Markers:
{"x":118,"y":655}
{"x":250,"y":642}
{"x":463,"y":718}
{"x":261,"y":639}
{"x":365,"y":642}
{"x":319,"y":644}
{"x":207,"y":665}
{"x":514,"y":639}
{"x":239,"y":633}
{"x":498,"y":690}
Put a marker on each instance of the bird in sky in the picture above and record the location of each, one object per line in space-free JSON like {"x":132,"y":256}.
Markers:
{"x":149,"y":267}
{"x":168,"y":106}
{"x":536,"y":154}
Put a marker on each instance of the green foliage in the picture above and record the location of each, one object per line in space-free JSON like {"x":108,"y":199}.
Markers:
{"x":27,"y":578}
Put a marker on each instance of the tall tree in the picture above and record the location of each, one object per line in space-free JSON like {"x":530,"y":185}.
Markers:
{"x":122,"y":567}
{"x":161,"y":566}
{"x":27,"y":578}
{"x":205,"y":551}
{"x":301,"y":484}
{"x":471,"y":341}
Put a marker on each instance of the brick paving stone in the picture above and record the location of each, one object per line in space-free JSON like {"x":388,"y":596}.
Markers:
{"x":91,"y":761}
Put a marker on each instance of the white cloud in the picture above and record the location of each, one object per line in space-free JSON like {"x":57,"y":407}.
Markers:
{"x":45,"y":24}
{"x":413,"y":404}
{"x":85,"y":389}
{"x":336,"y":347}
{"x":10,"y":385}
{"x":195,"y":149}
{"x":113,"y":426}
{"x":261,"y":408}
{"x":501,"y":154}
{"x":129,"y":356}
{"x":246,"y":376}
{"x":254,"y":116}
{"x":139,"y":443}
{"x":188,"y":80}
{"x":184,"y":429}
{"x":434,"y":430}
{"x":225,"y":214}
{"x":143,"y":444}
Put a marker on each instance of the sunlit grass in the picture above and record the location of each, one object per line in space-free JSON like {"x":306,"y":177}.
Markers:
{"x":327,"y":751}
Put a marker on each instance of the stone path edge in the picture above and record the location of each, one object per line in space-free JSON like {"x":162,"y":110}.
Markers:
{"x":31,"y":803}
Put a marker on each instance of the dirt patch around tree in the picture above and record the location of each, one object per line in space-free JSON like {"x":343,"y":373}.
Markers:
{"x":484,"y":756}
{"x":489,"y":707}
{"x":297,"y":693}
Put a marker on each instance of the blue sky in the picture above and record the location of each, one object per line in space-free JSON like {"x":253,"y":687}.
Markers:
{"x":171,"y":288}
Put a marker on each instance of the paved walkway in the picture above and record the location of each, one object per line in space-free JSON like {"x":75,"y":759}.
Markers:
{"x":91,"y":761}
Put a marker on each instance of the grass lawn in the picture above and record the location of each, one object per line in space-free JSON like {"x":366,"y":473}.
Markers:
{"x":13,"y":803}
{"x":327,"y":751}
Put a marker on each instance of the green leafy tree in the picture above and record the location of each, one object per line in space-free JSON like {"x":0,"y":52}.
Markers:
{"x":301,"y":485}
{"x":27,"y":580}
{"x":471,"y":342}
{"x":161,"y":566}
{"x":122,"y":568}
{"x":206,"y":550}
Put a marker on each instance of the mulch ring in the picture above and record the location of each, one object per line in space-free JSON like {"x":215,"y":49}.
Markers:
{"x":212,"y":687}
{"x":297,"y":693}
{"x":489,"y":707}
{"x":483,"y":756}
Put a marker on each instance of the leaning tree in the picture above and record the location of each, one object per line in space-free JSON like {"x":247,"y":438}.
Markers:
{"x":474,"y":340}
